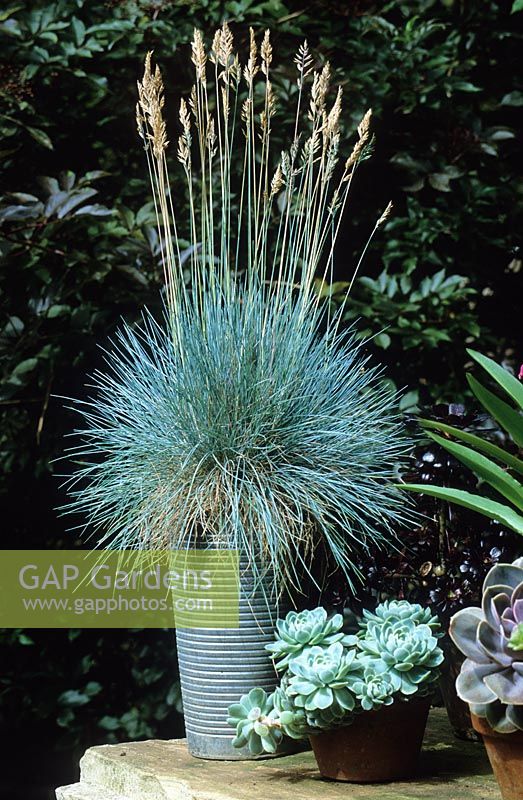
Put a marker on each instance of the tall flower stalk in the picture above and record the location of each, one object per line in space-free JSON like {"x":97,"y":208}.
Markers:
{"x":249,"y":419}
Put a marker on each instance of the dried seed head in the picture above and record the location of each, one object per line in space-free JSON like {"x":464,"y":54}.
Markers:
{"x":185,"y":117}
{"x":246,"y":109}
{"x":151,"y":102}
{"x":251,"y":69}
{"x":303,"y":59}
{"x":214,"y":55}
{"x":266,"y":52}
{"x":320,"y":87}
{"x":140,"y":122}
{"x":277,"y":181}
{"x":333,"y":120}
{"x":386,"y":214}
{"x":199,"y":57}
{"x":364,"y":134}
{"x":364,"y":126}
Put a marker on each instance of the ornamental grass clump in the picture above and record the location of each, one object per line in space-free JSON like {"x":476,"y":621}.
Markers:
{"x":246,"y":418}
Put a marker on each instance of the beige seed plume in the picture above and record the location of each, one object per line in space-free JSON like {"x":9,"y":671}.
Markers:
{"x":266,"y":52}
{"x":226,"y":45}
{"x":364,"y":134}
{"x":386,"y":214}
{"x":199,"y":57}
{"x":303,"y":59}
{"x":251,"y":69}
{"x":277,"y":181}
{"x":364,"y":126}
{"x":333,"y":119}
{"x":151,"y":102}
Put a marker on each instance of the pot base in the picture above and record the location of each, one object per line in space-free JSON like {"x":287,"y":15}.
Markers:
{"x":505,"y":752}
{"x":379,"y":746}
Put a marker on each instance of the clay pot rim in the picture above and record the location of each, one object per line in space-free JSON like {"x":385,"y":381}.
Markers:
{"x":481,"y":726}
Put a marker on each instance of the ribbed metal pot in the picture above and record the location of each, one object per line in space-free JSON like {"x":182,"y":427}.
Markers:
{"x":217,"y":666}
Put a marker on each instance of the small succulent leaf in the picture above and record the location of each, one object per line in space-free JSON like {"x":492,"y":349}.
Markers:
{"x":239,"y":741}
{"x":322,"y":698}
{"x":506,"y":685}
{"x":269,"y":745}
{"x":261,"y":729}
{"x":493,"y":605}
{"x":303,"y":686}
{"x":407,"y":687}
{"x":236,"y":711}
{"x":463,"y":632}
{"x":470,"y":685}
{"x":514,"y":715}
{"x":497,"y":718}
{"x":505,"y":576}
{"x":257,"y":697}
{"x":495,"y":644}
{"x":255,"y":745}
{"x":345,"y":699}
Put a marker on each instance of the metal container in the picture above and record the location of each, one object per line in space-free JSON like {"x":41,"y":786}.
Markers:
{"x":217,"y":666}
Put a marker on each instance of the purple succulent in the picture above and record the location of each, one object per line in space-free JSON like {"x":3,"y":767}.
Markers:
{"x":491,"y":678}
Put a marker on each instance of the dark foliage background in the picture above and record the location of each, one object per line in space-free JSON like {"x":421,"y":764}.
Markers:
{"x":78,"y":251}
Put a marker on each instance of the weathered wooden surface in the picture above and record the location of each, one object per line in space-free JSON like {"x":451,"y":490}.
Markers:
{"x":163,"y":770}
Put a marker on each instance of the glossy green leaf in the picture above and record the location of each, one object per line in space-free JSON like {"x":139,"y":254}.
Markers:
{"x":478,"y":443}
{"x":507,"y":381}
{"x":474,"y":502}
{"x":509,"y":419}
{"x":485,"y":469}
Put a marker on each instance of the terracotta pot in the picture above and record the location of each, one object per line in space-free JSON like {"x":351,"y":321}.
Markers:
{"x":378,"y":746}
{"x":505,"y":752}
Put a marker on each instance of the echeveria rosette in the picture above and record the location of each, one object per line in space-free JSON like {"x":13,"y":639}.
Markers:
{"x":256,"y":722}
{"x":375,"y":687}
{"x":303,"y":629}
{"x":491,"y":678}
{"x":398,"y":610}
{"x":408,"y":651}
{"x":317,"y":678}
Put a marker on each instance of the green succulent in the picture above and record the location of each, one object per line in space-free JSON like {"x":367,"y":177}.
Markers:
{"x":293,"y":720}
{"x":300,"y":630}
{"x":408,"y":651}
{"x":318,"y":678}
{"x":256,"y":722}
{"x":374,"y":687}
{"x":394,"y":656}
{"x":398,"y":610}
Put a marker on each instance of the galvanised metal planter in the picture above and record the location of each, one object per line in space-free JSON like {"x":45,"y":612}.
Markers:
{"x":217,"y":666}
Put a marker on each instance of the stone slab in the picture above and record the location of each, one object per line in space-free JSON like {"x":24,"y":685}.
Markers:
{"x":163,"y":770}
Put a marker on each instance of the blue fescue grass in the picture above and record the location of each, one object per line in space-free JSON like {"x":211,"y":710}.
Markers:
{"x":248,"y":419}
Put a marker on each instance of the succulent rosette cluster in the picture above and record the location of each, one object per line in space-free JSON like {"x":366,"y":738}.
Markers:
{"x":329,"y":676}
{"x":318,"y":678}
{"x":254,"y":717}
{"x":406,"y":650}
{"x":491,"y":638}
{"x":303,"y":629}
